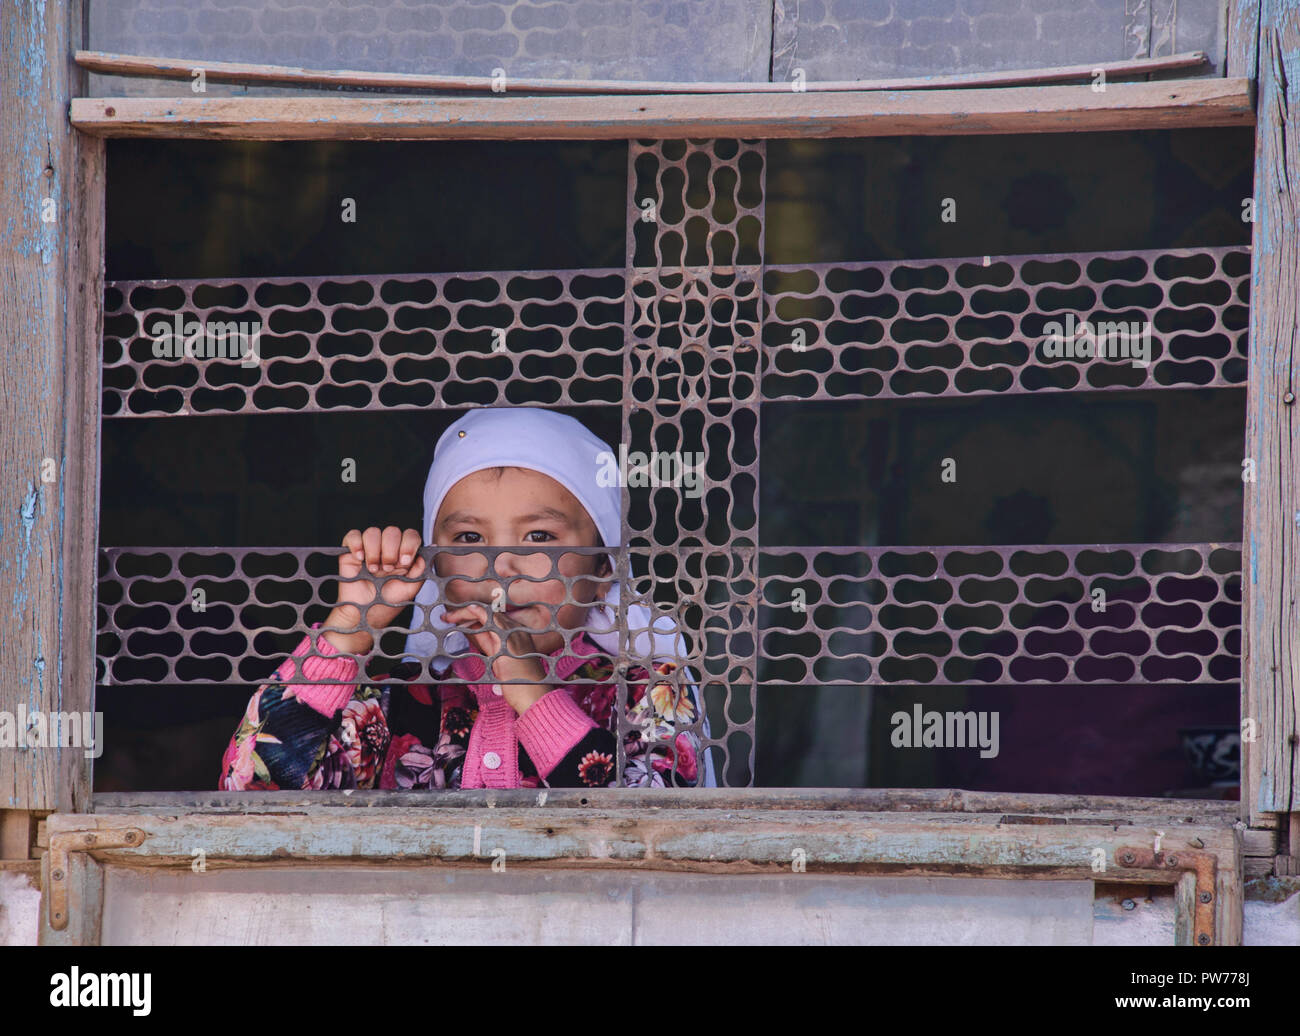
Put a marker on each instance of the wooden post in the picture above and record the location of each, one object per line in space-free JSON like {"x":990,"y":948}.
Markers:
{"x":51,"y":262}
{"x":1243,"y":39}
{"x":1271,"y":526}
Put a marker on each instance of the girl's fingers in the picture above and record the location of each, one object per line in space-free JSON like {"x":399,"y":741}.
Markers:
{"x":409,"y":545}
{"x":465,"y":613}
{"x":390,"y":540}
{"x":373,"y":553}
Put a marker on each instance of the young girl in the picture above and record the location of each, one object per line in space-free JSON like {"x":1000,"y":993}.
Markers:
{"x":500,"y":477}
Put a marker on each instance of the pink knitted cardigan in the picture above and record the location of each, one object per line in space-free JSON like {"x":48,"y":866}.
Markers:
{"x":548,"y":729}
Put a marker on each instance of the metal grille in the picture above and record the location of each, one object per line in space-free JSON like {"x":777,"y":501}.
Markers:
{"x":960,"y":327}
{"x":188,"y":615}
{"x":1120,"y":613}
{"x":689,"y":339}
{"x":370,"y":343}
{"x":943,"y":327}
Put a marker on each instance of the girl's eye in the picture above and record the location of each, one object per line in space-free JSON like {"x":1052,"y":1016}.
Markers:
{"x":541,"y":532}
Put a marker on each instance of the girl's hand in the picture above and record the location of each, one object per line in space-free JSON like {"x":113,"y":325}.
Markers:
{"x":388,"y":552}
{"x":471,"y":618}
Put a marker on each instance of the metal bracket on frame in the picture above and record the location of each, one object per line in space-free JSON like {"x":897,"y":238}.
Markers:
{"x":66,"y":842}
{"x":1203,"y":864}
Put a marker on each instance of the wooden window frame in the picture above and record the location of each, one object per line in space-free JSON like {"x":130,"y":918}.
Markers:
{"x":865,"y":831}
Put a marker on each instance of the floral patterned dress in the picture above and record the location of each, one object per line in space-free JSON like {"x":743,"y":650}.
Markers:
{"x":408,"y":735}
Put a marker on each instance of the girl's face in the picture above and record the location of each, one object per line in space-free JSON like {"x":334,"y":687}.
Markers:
{"x":519,"y":507}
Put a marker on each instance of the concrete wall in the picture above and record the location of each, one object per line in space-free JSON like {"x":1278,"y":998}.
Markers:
{"x":473,"y":905}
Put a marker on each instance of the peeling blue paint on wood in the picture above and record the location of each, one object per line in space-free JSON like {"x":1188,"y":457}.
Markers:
{"x":1271,"y":675}
{"x":26,"y":233}
{"x":27,"y":512}
{"x":44,"y":162}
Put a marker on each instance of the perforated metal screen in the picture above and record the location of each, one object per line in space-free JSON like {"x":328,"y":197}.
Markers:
{"x":688,"y":340}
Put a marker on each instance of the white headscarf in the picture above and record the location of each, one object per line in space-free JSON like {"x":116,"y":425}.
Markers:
{"x":565,"y":450}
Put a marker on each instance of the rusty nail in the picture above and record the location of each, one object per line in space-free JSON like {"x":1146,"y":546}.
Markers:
{"x":1171,"y":861}
{"x":1127,"y":859}
{"x":1203,"y":939}
{"x":110,"y":112}
{"x":88,"y":839}
{"x":1289,"y":398}
{"x":1206,"y":897}
{"x":56,"y":874}
{"x":49,"y":170}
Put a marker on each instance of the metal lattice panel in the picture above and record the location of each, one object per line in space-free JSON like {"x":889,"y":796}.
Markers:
{"x":1115,"y":613}
{"x":368,"y":343}
{"x":694,"y":318}
{"x":1112,"y":613}
{"x":942,"y":327}
{"x":187,"y":614}
{"x":957,"y":327}
{"x":215,"y":616}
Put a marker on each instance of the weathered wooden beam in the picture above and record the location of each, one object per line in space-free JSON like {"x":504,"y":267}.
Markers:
{"x":284,"y":75}
{"x":16,"y":833}
{"x":51,"y":255}
{"x":1243,"y":39}
{"x":730,"y":842}
{"x":647,"y":837}
{"x":1230,"y":894}
{"x":1270,"y":663}
{"x":1014,"y":807}
{"x":1170,"y":104}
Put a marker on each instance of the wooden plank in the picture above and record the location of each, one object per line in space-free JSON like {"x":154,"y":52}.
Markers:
{"x":1261,"y":843}
{"x":667,"y":839}
{"x":84,"y":336}
{"x":1146,"y":920}
{"x":85,"y":879}
{"x":1169,"y":104}
{"x":1229,"y":905}
{"x":1256,"y":867}
{"x":1243,"y":39}
{"x":240,"y":72}
{"x":1072,"y":808}
{"x":50,"y":248}
{"x":15,"y":834}
{"x":1271,"y":523}
{"x":681,"y":840}
{"x":1185,"y":910}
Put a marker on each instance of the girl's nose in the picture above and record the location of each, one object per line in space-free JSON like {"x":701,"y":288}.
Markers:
{"x":507,"y":563}
{"x":518,"y":563}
